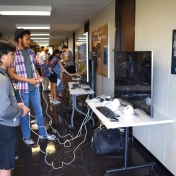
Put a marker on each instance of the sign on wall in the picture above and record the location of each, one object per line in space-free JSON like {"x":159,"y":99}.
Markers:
{"x":100,"y":50}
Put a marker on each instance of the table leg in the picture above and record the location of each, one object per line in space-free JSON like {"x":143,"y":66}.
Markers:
{"x":74,"y":107}
{"x":73,"y":110}
{"x":150,"y":164}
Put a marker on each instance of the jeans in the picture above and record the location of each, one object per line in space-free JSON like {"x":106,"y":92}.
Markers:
{"x":34,"y":97}
{"x":59,"y":87}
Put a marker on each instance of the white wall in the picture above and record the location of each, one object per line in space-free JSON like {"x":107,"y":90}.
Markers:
{"x":70,"y":42}
{"x":8,"y":37}
{"x":155,"y":20}
{"x":79,"y":32}
{"x":105,"y":86}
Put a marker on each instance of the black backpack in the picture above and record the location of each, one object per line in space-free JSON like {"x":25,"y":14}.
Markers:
{"x":107,"y":141}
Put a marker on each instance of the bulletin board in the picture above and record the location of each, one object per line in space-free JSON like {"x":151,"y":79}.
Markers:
{"x":100,"y":49}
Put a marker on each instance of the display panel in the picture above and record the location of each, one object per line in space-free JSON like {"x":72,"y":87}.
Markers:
{"x":134,"y":78}
{"x":82,"y":57}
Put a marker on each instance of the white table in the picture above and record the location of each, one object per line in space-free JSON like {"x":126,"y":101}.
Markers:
{"x":128,"y":121}
{"x":74,"y":93}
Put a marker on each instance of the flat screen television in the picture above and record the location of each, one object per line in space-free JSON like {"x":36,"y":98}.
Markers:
{"x":134,"y":79}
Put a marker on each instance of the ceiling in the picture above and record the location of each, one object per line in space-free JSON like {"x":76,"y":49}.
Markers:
{"x":66,"y":16}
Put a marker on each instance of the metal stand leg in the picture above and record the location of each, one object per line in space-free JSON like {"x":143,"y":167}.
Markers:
{"x":73,"y":110}
{"x":74,"y":107}
{"x":151,"y":164}
{"x":71,"y":124}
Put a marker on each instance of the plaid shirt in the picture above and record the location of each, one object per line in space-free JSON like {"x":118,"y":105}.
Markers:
{"x":21,"y":70}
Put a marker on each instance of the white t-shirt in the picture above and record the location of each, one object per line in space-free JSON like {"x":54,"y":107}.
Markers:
{"x":42,"y":57}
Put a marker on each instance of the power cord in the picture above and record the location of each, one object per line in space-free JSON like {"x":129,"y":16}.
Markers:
{"x":86,"y":119}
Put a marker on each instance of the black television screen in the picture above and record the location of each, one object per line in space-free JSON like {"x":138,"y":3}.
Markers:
{"x":134,"y":78}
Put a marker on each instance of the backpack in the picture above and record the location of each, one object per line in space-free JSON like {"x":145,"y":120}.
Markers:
{"x":107,"y":141}
{"x":46,"y":70}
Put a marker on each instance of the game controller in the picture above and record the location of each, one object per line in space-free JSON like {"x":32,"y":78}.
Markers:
{"x":128,"y":110}
{"x":39,"y":80}
{"x":16,"y":86}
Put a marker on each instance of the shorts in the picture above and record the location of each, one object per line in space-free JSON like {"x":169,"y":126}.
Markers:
{"x":70,"y":69}
{"x":53,"y":78}
{"x":8,"y":145}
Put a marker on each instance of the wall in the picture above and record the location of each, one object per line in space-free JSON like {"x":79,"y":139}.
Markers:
{"x":70,"y":42}
{"x":155,"y":20}
{"x":8,"y":37}
{"x":105,"y":86}
{"x":79,"y":32}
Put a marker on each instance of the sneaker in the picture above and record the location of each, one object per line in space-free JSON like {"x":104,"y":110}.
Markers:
{"x":51,"y":100}
{"x":16,"y":157}
{"x":56,"y":102}
{"x":28,"y":141}
{"x":50,"y":137}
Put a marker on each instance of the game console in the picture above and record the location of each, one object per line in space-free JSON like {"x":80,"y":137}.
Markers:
{"x":87,"y":88}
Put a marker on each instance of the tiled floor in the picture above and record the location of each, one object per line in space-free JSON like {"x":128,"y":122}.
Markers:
{"x":61,"y":158}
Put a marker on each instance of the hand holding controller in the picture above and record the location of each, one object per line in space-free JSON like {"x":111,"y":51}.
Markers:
{"x":40,"y":80}
{"x":16,"y":87}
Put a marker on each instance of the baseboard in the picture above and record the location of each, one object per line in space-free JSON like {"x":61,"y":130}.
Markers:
{"x":158,"y":163}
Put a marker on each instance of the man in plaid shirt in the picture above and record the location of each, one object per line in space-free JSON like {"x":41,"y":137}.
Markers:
{"x":25,"y":74}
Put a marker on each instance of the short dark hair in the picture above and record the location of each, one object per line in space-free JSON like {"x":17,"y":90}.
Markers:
{"x":19,"y":33}
{"x":5,"y":48}
{"x":22,"y":35}
{"x":64,"y":46}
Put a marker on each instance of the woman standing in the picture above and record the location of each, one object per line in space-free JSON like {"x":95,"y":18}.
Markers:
{"x":56,"y":67}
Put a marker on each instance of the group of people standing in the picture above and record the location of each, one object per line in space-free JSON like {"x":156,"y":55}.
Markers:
{"x":18,"y":65}
{"x":55,"y":62}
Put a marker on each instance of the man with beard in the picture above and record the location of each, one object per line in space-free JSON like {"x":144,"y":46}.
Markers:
{"x":26,"y":76}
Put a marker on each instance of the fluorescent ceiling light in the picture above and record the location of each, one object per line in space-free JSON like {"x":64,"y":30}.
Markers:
{"x":29,"y":13}
{"x":33,"y":26}
{"x":39,"y":34}
{"x":25,"y":10}
{"x":82,"y":38}
{"x":33,"y":38}
{"x":37,"y":41}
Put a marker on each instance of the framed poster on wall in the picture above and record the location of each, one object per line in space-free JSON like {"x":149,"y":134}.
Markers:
{"x":173,"y":63}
